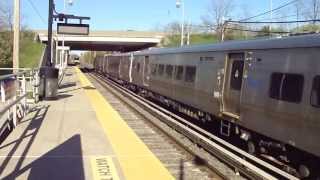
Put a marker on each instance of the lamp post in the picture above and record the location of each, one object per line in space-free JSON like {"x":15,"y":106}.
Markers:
{"x":63,"y":63}
{"x":271,"y":15}
{"x":180,"y":3}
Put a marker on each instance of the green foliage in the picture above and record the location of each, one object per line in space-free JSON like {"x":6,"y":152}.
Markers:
{"x":30,"y":51}
{"x":174,"y":40}
{"x":205,"y":38}
{"x":5,"y":49}
{"x":265,"y":31}
{"x":308,"y":28}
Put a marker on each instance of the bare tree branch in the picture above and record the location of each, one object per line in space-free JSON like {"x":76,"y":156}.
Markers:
{"x":6,"y":16}
{"x":218,"y":11}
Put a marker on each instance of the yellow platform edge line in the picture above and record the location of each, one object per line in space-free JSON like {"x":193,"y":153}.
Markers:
{"x":136,"y":160}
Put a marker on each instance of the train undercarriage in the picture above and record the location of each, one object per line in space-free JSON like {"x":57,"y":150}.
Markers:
{"x":285,"y":156}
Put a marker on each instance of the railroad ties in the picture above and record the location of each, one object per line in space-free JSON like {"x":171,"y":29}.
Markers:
{"x":181,"y":164}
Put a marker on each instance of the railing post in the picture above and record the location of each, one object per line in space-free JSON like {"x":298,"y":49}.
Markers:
{"x":14,"y":112}
{"x":2,"y":91}
{"x":24,"y":90}
{"x":37,"y":85}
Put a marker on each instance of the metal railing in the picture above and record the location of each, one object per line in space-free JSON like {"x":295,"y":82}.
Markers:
{"x":18,"y":91}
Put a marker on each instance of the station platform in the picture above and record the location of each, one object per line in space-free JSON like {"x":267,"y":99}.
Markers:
{"x":78,"y":136}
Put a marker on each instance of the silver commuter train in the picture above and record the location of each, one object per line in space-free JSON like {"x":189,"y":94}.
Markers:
{"x":264,"y":92}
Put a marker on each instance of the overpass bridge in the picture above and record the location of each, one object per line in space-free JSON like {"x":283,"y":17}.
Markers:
{"x":122,"y":41}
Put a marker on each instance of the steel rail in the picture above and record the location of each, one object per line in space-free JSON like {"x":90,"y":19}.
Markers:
{"x":206,"y":139}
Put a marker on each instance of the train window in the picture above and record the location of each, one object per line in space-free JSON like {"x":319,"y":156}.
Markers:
{"x":138,"y":67}
{"x":190,"y":74}
{"x":179,"y":72}
{"x":154,"y":69}
{"x":160,"y":69}
{"x":286,"y":87}
{"x":315,"y":94}
{"x":236,"y":75}
{"x":169,"y":69}
{"x":275,"y":86}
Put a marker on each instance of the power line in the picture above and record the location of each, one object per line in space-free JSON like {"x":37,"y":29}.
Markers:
{"x":258,"y":31}
{"x":211,"y":27}
{"x":274,"y":22}
{"x":36,"y":10}
{"x":287,"y":16}
{"x":267,"y":12}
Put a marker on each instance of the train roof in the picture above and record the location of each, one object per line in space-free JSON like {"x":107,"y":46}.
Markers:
{"x":302,"y":41}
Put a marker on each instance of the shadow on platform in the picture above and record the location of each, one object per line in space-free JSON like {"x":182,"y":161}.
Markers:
{"x":34,"y":126}
{"x":67,"y":85}
{"x":62,"y":96}
{"x":62,"y":162}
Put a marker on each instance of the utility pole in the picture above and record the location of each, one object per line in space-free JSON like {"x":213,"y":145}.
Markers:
{"x":16,"y":35}
{"x":50,"y":22}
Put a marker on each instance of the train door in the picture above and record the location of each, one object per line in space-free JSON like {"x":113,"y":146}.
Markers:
{"x":233,"y":84}
{"x":146,"y":73}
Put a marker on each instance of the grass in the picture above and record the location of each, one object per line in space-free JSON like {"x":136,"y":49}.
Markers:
{"x":203,"y":39}
{"x":174,"y":40}
{"x":195,"y":39}
{"x":30,"y":53}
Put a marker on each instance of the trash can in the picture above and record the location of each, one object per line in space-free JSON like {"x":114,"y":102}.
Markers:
{"x":48,"y":82}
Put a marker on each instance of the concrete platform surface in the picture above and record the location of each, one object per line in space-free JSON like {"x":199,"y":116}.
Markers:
{"x":79,"y":136}
{"x":58,"y":140}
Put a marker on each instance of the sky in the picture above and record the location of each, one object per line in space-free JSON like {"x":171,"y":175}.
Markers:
{"x":135,"y":14}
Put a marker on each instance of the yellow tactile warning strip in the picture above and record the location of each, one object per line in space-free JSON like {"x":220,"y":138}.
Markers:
{"x":136,"y":160}
{"x":103,"y":168}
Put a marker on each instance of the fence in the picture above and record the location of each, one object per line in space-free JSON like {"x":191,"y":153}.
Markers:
{"x":18,"y":91}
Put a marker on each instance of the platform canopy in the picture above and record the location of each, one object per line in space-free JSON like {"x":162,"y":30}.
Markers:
{"x":123,"y":41}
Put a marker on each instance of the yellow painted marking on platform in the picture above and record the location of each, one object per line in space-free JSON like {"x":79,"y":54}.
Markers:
{"x":103,"y":168}
{"x":136,"y":160}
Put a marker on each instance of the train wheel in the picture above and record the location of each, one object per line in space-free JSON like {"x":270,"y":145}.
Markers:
{"x":251,"y":147}
{"x":304,"y":171}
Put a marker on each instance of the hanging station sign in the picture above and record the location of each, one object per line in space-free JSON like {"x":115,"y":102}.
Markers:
{"x":73,"y":29}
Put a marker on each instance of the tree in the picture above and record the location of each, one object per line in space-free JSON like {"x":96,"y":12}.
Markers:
{"x":173,"y":28}
{"x":173,"y":31}
{"x":5,"y":35}
{"x":6,"y":17}
{"x":312,"y":10}
{"x":218,"y":12}
{"x":315,"y":9}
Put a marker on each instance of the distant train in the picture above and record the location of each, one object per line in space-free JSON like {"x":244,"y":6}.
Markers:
{"x":85,"y":65}
{"x":261,"y":94}
{"x":73,"y":60}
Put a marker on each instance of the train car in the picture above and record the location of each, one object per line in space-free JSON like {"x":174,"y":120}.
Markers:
{"x":263,"y":93}
{"x":85,"y":65}
{"x":113,"y":67}
{"x":73,"y":59}
{"x":97,"y":63}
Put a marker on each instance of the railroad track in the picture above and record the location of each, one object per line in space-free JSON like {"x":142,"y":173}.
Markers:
{"x":220,"y":156}
{"x":181,"y":164}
